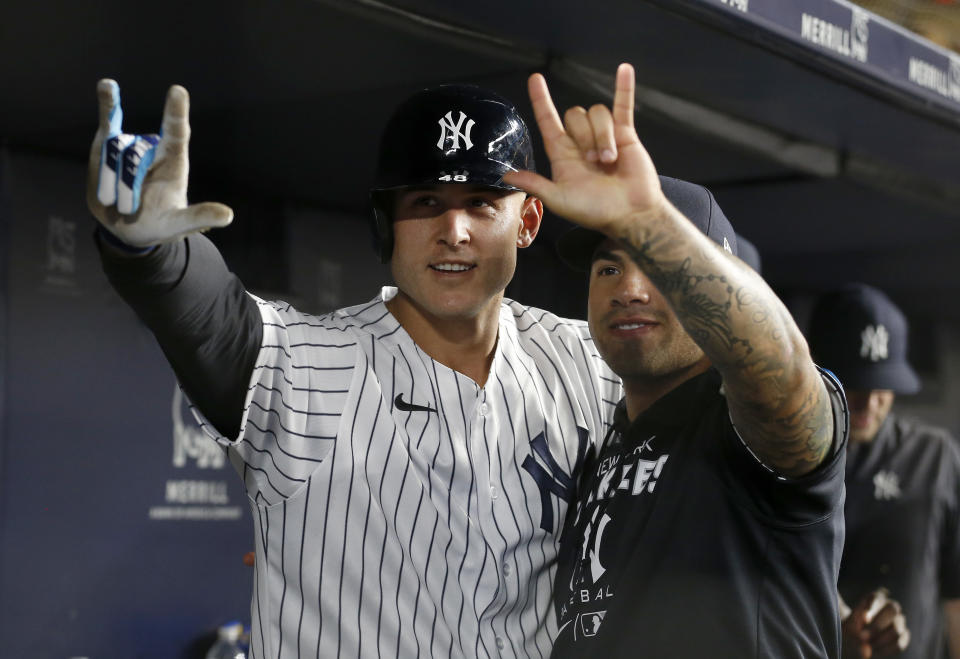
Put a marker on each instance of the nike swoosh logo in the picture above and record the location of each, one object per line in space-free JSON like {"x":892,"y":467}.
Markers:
{"x":404,"y":406}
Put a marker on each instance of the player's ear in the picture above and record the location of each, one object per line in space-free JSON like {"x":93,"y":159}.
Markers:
{"x":531,"y":214}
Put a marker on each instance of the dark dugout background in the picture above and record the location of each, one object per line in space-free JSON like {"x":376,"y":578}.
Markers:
{"x":123,"y":526}
{"x":123,"y":530}
{"x":120,"y":536}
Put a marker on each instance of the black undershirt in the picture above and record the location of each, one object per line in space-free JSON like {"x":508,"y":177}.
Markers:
{"x":206,"y":324}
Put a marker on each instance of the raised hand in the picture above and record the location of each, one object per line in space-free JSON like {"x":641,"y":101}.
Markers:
{"x":603,"y":177}
{"x":137,"y":184}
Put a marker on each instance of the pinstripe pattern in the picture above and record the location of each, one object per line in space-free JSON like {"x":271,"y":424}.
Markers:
{"x":388,"y":533}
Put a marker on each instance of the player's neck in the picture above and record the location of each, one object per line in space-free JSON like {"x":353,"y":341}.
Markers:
{"x":642,"y":392}
{"x":464,"y":343}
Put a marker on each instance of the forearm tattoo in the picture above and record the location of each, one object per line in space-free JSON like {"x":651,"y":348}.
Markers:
{"x":774,"y":391}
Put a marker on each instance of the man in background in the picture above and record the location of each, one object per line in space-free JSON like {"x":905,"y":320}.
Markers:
{"x":902,"y":478}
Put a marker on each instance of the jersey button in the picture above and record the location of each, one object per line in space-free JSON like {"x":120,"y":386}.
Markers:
{"x":499,"y":643}
{"x":493,"y":492}
{"x":484,"y":409}
{"x":506,"y":569}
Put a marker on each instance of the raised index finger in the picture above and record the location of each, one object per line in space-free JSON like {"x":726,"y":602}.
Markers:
{"x":624,"y":95}
{"x":545,"y":112}
{"x":110,"y":125}
{"x":108,"y":100}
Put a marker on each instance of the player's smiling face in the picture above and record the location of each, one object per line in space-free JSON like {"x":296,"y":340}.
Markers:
{"x":455,"y":246}
{"x":632,"y":324}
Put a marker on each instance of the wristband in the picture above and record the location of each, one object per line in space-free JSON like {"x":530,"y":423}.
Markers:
{"x":107,"y":237}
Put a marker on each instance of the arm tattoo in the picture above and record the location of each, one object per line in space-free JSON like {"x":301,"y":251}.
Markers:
{"x":776,"y":395}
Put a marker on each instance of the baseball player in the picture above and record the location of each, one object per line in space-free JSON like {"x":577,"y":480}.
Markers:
{"x":902,"y":478}
{"x":408,"y":460}
{"x":710,"y":522}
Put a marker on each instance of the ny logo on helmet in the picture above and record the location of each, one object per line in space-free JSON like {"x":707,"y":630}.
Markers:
{"x":874,"y":342}
{"x":452,"y":131}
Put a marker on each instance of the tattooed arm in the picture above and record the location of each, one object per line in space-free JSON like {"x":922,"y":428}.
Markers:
{"x":604,"y":179}
{"x":777,"y":398}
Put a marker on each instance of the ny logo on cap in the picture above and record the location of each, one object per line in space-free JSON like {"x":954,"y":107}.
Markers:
{"x":874,"y":342}
{"x":452,"y":131}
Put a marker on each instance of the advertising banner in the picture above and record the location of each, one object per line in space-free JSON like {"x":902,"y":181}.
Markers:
{"x":872,"y":44}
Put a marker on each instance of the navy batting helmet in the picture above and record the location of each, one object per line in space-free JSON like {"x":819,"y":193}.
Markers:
{"x":446,"y":134}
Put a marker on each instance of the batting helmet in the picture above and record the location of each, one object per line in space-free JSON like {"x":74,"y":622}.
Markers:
{"x":446,"y":134}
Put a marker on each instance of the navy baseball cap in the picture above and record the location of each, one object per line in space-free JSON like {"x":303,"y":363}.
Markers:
{"x":576,"y":246}
{"x":859,"y":333}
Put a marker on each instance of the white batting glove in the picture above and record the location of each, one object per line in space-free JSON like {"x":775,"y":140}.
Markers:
{"x":137,"y":184}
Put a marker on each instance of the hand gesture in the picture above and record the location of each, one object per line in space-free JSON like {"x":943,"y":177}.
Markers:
{"x":137,"y":184}
{"x":603,"y":177}
{"x":876,"y":627}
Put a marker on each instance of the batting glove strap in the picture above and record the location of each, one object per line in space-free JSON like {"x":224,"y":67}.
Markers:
{"x":105,"y":236}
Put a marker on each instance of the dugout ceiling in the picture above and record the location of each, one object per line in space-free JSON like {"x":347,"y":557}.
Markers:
{"x":831,"y":137}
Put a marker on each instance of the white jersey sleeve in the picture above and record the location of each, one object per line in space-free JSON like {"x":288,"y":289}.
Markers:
{"x":294,"y":403}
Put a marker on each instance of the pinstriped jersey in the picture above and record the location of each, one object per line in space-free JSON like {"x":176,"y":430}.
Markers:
{"x":400,"y":508}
